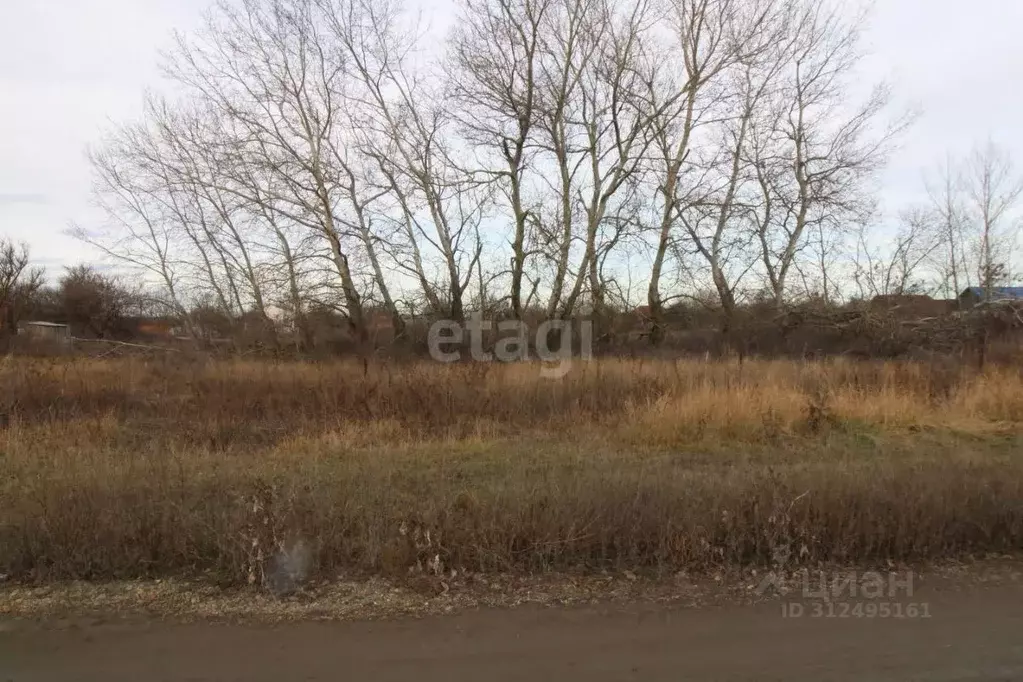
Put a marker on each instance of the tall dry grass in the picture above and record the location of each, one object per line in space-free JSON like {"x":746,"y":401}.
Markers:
{"x":256,"y":403}
{"x":131,"y":468}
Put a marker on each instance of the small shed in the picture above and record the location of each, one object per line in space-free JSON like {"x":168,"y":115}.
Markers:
{"x":974,"y":295}
{"x":46,"y":332}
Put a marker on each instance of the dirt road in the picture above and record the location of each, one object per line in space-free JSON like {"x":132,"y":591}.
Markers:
{"x":974,"y":634}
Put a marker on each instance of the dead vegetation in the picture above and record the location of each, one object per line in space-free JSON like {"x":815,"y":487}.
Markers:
{"x":229,"y":470}
{"x":890,"y":332}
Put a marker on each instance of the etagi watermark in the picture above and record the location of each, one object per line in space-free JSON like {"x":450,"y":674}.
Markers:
{"x":846,"y":594}
{"x":553,"y":342}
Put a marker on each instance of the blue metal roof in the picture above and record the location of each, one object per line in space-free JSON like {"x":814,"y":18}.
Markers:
{"x":997,"y":292}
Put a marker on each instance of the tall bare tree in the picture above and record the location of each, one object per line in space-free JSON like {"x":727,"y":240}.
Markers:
{"x":716,"y":225}
{"x":818,"y":146}
{"x":562,"y":107}
{"x":270,"y":66}
{"x":495,"y":57}
{"x":708,"y":38}
{"x":411,"y":138}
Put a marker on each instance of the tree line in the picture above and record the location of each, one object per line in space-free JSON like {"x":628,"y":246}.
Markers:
{"x":93,"y":303}
{"x":549,"y":157}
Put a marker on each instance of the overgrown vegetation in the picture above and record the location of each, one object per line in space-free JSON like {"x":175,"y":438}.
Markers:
{"x":195,"y":468}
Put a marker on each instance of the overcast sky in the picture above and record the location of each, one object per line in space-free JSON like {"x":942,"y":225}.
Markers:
{"x":70,"y":67}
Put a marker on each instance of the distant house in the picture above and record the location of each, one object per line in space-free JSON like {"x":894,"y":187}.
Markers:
{"x":974,"y":295}
{"x":46,"y":332}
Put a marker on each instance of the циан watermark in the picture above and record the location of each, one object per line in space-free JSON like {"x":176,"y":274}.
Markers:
{"x":515,"y":342}
{"x":846,"y":594}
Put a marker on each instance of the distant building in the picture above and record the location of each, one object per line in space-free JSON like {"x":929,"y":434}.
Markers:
{"x":46,"y":332}
{"x":974,"y":295}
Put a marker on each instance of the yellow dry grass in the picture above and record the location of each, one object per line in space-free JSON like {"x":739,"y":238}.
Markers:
{"x":132,"y":468}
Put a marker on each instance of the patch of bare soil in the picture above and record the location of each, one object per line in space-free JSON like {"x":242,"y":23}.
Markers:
{"x":69,"y":604}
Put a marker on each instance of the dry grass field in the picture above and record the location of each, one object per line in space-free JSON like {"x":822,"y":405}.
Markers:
{"x":130,"y":468}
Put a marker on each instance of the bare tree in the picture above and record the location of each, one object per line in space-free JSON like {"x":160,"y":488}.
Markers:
{"x":157,"y":149}
{"x":143,"y":220}
{"x":895,"y":269}
{"x":268,"y":65}
{"x":413,"y":144}
{"x":316,"y":160}
{"x":994,"y":190}
{"x":562,"y":107}
{"x":95,"y":304}
{"x":495,"y":53}
{"x":817,"y":147}
{"x":18,"y":283}
{"x":947,"y":215}
{"x":709,"y":37}
{"x":716,"y":225}
{"x":291,"y":253}
{"x":227,"y":220}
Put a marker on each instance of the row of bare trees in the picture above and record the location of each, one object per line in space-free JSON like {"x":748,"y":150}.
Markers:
{"x":327,"y":152}
{"x":963,"y":235}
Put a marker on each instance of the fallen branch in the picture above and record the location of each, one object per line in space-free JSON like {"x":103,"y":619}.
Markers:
{"x":130,"y":345}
